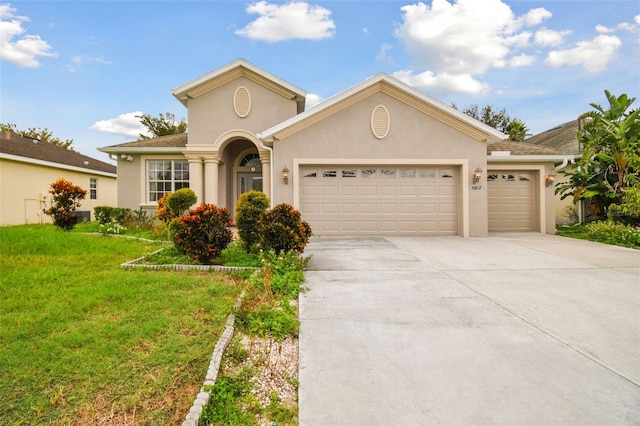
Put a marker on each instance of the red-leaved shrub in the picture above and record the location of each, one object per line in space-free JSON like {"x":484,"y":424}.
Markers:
{"x":66,"y":198}
{"x":204,"y":232}
{"x":283,"y":229}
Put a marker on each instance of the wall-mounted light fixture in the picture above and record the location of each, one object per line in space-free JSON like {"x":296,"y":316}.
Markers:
{"x":550,"y":179}
{"x":285,"y":175}
{"x":126,"y":157}
{"x":477,"y":175}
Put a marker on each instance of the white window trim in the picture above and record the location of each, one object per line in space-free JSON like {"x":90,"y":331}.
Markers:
{"x":144,"y":192}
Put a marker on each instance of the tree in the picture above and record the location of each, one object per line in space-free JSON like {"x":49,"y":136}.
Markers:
{"x":43,"y":135}
{"x":610,"y":163}
{"x":164,"y":124}
{"x":517,"y":130}
{"x":499,"y":120}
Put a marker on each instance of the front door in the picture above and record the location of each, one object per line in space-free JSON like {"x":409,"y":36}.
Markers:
{"x":248,"y":181}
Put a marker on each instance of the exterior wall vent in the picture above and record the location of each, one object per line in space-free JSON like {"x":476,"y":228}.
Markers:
{"x":242,"y":102}
{"x":380,"y":122}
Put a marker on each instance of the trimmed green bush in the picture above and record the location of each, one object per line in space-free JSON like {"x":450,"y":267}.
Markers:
{"x":107,"y":214}
{"x":610,"y":232}
{"x":203,"y":232}
{"x":251,"y":206}
{"x":282,"y":229}
{"x":179,"y":201}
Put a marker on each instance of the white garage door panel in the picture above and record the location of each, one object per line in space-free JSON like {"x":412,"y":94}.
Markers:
{"x":379,"y":199}
{"x":511,"y":201}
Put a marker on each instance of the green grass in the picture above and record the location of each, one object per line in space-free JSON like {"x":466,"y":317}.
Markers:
{"x":82,"y":340}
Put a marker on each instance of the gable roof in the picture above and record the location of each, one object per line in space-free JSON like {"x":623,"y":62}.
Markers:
{"x":164,"y":144}
{"x":561,"y":138}
{"x":395,"y":88}
{"x":19,"y":148}
{"x":233,"y":70}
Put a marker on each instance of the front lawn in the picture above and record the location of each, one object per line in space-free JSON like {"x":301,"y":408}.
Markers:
{"x":85,"y":342}
{"x":607,"y":232}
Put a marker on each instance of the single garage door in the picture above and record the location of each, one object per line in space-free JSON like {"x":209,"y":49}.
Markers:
{"x":378,"y":200}
{"x":511,"y":200}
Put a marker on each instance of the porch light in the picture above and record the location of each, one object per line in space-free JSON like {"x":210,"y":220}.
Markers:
{"x":550,"y":179}
{"x":285,"y":175}
{"x":477,"y":175}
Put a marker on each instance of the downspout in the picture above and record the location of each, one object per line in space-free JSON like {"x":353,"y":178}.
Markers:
{"x":262,"y":145}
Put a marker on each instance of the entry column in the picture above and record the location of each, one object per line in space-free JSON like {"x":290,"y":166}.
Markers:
{"x":195,"y":175}
{"x":265,"y":159}
{"x":211,"y":179}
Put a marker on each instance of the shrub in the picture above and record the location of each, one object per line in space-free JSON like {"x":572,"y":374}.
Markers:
{"x":66,"y":198}
{"x":251,"y":206}
{"x":614,"y":233}
{"x":283,"y":230}
{"x":106,"y":214}
{"x":203,"y":232}
{"x":179,"y":201}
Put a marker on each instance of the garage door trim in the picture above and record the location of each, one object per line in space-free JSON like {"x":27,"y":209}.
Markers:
{"x":463,"y":184}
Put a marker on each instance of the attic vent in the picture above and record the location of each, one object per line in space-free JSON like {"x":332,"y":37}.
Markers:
{"x":242,"y":102}
{"x":380,"y":122}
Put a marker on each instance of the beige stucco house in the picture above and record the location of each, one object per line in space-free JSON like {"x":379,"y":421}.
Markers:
{"x":379,"y":158}
{"x":27,"y":169}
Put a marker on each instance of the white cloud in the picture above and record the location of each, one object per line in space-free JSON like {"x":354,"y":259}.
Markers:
{"x":521,"y":60}
{"x":16,"y":46}
{"x":294,"y":20}
{"x":552,"y":38}
{"x":593,"y":55}
{"x":460,"y":83}
{"x":604,"y":29}
{"x":312,"y":100}
{"x":535,"y":16}
{"x":76,"y":61}
{"x":455,"y":41}
{"x":383,"y":55}
{"x":125,"y":124}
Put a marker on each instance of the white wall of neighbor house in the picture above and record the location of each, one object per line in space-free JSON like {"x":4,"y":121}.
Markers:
{"x":24,"y":191}
{"x":413,"y":138}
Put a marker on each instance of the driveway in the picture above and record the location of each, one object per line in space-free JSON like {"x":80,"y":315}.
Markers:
{"x":510,"y":329}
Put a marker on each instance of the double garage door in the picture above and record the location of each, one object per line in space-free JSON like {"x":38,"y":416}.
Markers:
{"x":378,"y":200}
{"x":511,"y":200}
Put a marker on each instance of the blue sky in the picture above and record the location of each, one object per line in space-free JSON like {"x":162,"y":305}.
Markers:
{"x":84,"y":69}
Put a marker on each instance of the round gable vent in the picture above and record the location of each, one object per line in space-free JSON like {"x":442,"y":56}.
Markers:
{"x":242,"y":102}
{"x":380,"y":121}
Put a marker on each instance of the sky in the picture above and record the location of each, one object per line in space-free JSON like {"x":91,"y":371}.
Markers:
{"x":85,"y":69}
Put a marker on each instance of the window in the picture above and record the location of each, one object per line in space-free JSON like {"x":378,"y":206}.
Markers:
{"x":348,"y":173}
{"x":407,"y":173}
{"x":388,"y":173}
{"x":165,"y":176}
{"x":492,"y":177}
{"x":368,"y":173}
{"x":251,"y":160}
{"x":329,"y":173}
{"x":93,"y":188}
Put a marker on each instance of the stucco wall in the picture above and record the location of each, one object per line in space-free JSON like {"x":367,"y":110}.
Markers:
{"x":23,"y":185}
{"x":131,"y":182}
{"x":413,"y":135}
{"x":212,"y":114}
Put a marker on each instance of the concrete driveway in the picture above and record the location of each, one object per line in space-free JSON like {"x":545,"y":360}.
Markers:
{"x":510,"y":329}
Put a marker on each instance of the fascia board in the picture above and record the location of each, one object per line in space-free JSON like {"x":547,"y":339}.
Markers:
{"x":529,"y":158}
{"x":51,"y":164}
{"x":268,"y":135}
{"x":180,"y":92}
{"x":142,"y":150}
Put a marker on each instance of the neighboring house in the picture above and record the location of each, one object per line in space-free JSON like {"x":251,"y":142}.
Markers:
{"x":379,"y":158}
{"x":27,"y":169}
{"x":563,"y":139}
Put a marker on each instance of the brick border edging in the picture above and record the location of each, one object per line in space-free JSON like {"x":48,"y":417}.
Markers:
{"x":133,"y":264}
{"x":202,"y":399}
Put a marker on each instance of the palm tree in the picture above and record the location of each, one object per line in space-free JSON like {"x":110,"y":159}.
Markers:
{"x":517,"y":131}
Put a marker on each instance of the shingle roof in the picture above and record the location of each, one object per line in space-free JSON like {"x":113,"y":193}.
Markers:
{"x":169,"y":141}
{"x":562,"y":138}
{"x":17,"y":145}
{"x":521,"y":148}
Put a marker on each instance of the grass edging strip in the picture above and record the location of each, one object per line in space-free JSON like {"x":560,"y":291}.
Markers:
{"x":202,"y":399}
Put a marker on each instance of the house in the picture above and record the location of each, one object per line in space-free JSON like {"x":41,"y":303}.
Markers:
{"x":379,"y":158}
{"x":29,"y":166}
{"x":563,"y":139}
